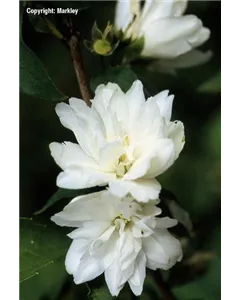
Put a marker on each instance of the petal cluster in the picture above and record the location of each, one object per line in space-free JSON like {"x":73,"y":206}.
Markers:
{"x":167,"y":32}
{"x":123,"y":140}
{"x":119,"y":237}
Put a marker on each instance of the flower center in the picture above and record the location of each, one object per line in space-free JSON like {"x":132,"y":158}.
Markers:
{"x":123,"y":164}
{"x":121,"y":222}
{"x":126,"y":141}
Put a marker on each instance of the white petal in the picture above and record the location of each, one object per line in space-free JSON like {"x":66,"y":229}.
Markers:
{"x":113,"y":278}
{"x":135,"y":99}
{"x":184,"y":26}
{"x":85,"y":113}
{"x":104,"y":248}
{"x":165,"y":222}
{"x":67,"y":116}
{"x":154,"y":161}
{"x":94,"y":206}
{"x":103,"y":94}
{"x":139,"y":168}
{"x":176,"y":133}
{"x":162,"y":9}
{"x":147,"y":126}
{"x":69,"y":119}
{"x":168,"y":38}
{"x":122,"y":268}
{"x":118,"y":108}
{"x":154,"y":10}
{"x":200,"y":37}
{"x":92,"y":124}
{"x":101,"y":103}
{"x":142,"y":229}
{"x":142,"y":189}
{"x":151,"y":210}
{"x":138,"y":277}
{"x":123,"y":14}
{"x":69,"y":154}
{"x":90,"y":230}
{"x":109,"y":156}
{"x":161,"y":159}
{"x":80,"y":178}
{"x":74,"y":254}
{"x":129,"y":248}
{"x":154,"y":251}
{"x":164,"y":102}
{"x":88,"y":269}
{"x":171,"y":246}
{"x":97,"y":244}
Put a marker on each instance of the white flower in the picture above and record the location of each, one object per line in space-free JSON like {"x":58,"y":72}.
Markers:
{"x":119,"y":237}
{"x":123,"y":141}
{"x":167,"y":33}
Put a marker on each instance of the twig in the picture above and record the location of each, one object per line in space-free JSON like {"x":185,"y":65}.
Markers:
{"x":79,"y":69}
{"x":167,"y":295}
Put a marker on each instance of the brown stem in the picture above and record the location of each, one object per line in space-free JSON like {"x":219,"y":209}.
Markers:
{"x":167,"y":295}
{"x":79,"y":69}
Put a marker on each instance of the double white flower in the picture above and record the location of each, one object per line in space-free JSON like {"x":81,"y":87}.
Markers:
{"x":123,"y":141}
{"x":166,"y":32}
{"x":117,"y":236}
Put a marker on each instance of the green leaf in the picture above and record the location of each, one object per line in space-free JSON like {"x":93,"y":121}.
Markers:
{"x":134,"y":50}
{"x":123,"y":76}
{"x":40,"y":246}
{"x":59,"y":195}
{"x":34,"y":79}
{"x":101,"y":294}
{"x":47,"y":285}
{"x":65,"y":194}
{"x":212,"y":85}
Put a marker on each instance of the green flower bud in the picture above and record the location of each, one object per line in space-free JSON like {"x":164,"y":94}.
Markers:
{"x":102,"y":47}
{"x":102,"y":43}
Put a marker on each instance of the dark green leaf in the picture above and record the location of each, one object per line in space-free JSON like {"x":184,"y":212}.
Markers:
{"x":65,"y":194}
{"x":34,"y":79}
{"x":40,"y":246}
{"x":134,"y":50}
{"x":212,"y":85}
{"x":59,"y":195}
{"x":47,"y":285}
{"x":123,"y":76}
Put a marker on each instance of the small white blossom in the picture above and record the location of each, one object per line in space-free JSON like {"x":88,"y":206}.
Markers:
{"x":117,"y":237}
{"x":167,"y":33}
{"x":123,"y":141}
